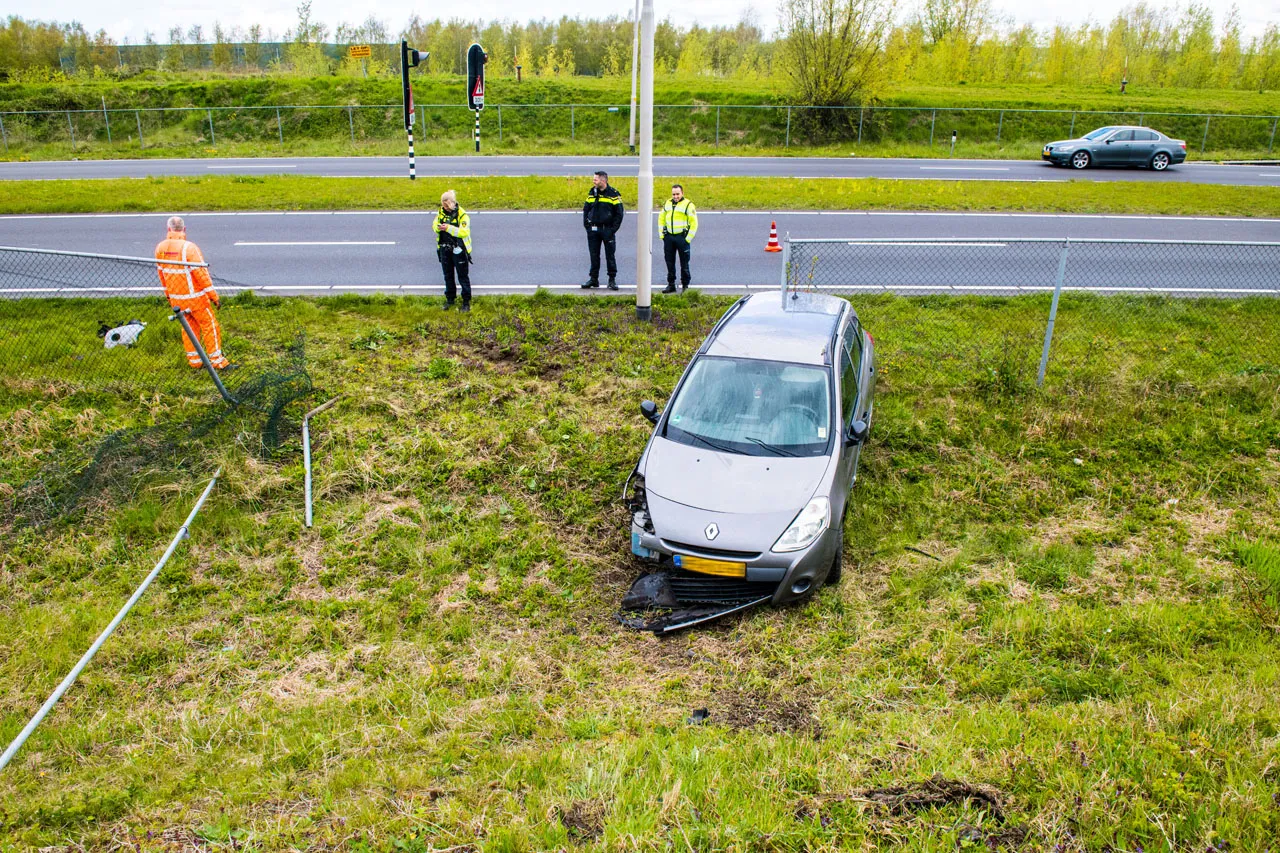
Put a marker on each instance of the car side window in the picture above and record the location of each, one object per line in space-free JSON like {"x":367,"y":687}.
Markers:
{"x":848,"y":378}
{"x":1145,"y":136}
{"x":1122,"y":136}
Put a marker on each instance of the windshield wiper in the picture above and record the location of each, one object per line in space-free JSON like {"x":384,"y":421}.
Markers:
{"x":781,"y":451}
{"x":712,"y":444}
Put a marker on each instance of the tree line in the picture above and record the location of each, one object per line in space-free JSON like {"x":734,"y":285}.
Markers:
{"x":830,"y":51}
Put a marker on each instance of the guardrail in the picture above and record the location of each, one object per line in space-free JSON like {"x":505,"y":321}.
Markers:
{"x":725,"y":125}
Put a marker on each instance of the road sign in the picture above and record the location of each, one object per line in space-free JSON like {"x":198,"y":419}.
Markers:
{"x":360,"y":51}
{"x":476,"y":58}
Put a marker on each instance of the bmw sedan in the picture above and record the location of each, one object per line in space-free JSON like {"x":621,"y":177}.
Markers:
{"x":1117,"y":146}
{"x":741,"y":494}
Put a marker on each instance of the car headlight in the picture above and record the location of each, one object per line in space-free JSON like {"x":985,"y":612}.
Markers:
{"x":808,"y":526}
{"x":638,"y":502}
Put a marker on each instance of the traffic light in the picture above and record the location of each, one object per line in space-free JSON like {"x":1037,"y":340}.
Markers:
{"x":409,"y":58}
{"x":476,"y":58}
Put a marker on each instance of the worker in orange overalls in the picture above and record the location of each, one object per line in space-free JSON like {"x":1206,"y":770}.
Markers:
{"x":191,"y":288}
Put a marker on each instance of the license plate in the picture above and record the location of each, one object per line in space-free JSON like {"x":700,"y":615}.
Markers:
{"x":1046,"y":149}
{"x":723,"y":568}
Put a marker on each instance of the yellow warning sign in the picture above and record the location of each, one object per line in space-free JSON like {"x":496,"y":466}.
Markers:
{"x":360,"y":51}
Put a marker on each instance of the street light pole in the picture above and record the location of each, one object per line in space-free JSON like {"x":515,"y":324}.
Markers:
{"x":644,"y":193}
{"x":635,"y":56}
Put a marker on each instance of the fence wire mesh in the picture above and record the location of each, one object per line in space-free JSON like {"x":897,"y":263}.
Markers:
{"x":1008,"y":313}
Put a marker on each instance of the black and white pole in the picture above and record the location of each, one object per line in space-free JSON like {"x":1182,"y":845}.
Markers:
{"x":409,"y":58}
{"x":413,"y":169}
{"x":477,"y":133}
{"x":644,"y":190}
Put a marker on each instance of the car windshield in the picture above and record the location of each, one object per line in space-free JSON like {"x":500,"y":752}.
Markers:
{"x":755,"y":408}
{"x":1099,"y":133}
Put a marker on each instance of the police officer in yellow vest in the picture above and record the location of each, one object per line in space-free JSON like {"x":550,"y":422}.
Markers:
{"x":677,"y":223}
{"x":453,"y":248}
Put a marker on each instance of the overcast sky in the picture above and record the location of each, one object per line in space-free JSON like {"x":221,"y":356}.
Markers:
{"x":130,"y":19}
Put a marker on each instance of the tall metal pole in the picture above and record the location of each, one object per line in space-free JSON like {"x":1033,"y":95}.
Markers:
{"x":644,"y":190}
{"x":635,"y":58}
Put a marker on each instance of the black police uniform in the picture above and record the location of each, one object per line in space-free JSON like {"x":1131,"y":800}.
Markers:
{"x":602,"y":217}
{"x":454,"y":253}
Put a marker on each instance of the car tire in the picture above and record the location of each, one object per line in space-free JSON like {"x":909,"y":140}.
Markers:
{"x":1160,"y":161}
{"x":1081,"y":160}
{"x":837,"y":563}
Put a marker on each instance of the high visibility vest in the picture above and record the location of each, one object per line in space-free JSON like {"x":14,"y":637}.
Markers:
{"x":679,"y":218}
{"x":183,"y":283}
{"x":458,"y":225}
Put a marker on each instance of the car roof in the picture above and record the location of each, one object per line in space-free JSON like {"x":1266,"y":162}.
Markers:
{"x":774,"y":326}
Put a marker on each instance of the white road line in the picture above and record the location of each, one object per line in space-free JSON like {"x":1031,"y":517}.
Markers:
{"x":318,"y":243}
{"x":1269,"y":175}
{"x":913,"y":243}
{"x":962,"y":169}
{"x":257,"y":166}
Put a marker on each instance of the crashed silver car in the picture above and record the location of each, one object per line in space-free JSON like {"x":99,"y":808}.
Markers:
{"x":740,"y":496}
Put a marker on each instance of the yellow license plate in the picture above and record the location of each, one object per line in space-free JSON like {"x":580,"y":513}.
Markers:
{"x":723,"y":568}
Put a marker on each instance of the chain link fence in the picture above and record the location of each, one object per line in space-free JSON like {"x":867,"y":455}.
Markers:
{"x":82,"y":131}
{"x":1007,"y":313}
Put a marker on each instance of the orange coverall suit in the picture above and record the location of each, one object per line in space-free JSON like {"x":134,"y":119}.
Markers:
{"x":191,"y":288}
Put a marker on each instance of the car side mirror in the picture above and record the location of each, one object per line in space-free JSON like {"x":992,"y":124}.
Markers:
{"x":857,"y":432}
{"x":1108,"y":141}
{"x":650,"y":410}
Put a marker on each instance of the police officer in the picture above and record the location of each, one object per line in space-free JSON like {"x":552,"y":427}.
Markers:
{"x":602,"y":217}
{"x":453,"y":247}
{"x":677,"y":223}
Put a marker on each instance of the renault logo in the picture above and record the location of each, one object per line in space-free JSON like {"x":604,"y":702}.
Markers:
{"x":712,"y":530}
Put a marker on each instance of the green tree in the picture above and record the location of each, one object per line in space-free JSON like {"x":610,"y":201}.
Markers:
{"x":833,"y":48}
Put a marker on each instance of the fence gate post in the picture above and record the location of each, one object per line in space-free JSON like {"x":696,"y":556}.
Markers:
{"x":351,"y":125}
{"x":72,"y":128}
{"x":5,"y":136}
{"x":1000,"y":126}
{"x":860,"y":112}
{"x":1053,"y":312}
{"x":1273,"y":134}
{"x":138,"y":117}
{"x":1204,"y":139}
{"x":932,"y":122}
{"x":717,"y":127}
{"x":788,"y":145}
{"x":213,"y":140}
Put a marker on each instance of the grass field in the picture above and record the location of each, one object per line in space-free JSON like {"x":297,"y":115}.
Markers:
{"x":1054,"y":603}
{"x":292,"y":192}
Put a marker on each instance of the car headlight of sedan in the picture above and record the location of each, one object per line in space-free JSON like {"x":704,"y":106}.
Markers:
{"x":807,"y":527}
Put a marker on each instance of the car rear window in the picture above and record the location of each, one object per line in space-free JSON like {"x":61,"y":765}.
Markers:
{"x":752,"y":407}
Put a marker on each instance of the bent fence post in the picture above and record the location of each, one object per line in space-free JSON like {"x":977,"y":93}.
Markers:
{"x":213,"y":140}
{"x":717,"y":127}
{"x":932,"y":122}
{"x":499,"y":122}
{"x":5,"y":135}
{"x":351,"y":125}
{"x":788,"y":145}
{"x":1272,"y":141}
{"x":1000,"y":126}
{"x":280,"y":127}
{"x":138,"y":117}
{"x":306,"y":448}
{"x":106,"y":119}
{"x":1205,"y":139}
{"x":181,"y":314}
{"x":1053,"y":313}
{"x":102,"y":638}
{"x":860,"y":112}
{"x":71,"y":128}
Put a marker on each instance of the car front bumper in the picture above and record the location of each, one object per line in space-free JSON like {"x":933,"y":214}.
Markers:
{"x":1057,"y":158}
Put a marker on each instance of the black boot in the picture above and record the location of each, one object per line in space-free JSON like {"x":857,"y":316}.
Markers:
{"x":670,"y":288}
{"x":448,"y":304}
{"x":613,"y":285}
{"x":466,"y":306}
{"x":591,"y":282}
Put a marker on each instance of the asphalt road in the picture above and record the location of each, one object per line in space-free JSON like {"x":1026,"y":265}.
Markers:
{"x":518,"y":251}
{"x":788,"y":167}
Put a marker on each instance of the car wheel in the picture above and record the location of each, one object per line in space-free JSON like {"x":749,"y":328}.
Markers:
{"x":1080,"y":160}
{"x":837,"y":563}
{"x":1160,"y":161}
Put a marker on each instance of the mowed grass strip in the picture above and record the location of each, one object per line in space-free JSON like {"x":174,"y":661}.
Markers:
{"x":294,"y":192}
{"x":436,"y":664}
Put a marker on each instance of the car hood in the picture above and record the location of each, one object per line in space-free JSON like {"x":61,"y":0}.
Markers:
{"x":707,"y":479}
{"x":1068,"y":142}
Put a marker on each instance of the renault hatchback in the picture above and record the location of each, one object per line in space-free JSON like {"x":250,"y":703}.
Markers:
{"x":741,"y":493}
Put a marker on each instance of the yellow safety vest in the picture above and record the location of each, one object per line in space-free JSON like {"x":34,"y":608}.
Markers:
{"x":679,"y":218}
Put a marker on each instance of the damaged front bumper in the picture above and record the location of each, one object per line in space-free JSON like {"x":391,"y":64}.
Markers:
{"x":691,"y":599}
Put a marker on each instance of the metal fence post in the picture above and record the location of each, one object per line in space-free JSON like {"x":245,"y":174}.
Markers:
{"x":1205,"y":139}
{"x":1000,"y":126}
{"x":137,"y":114}
{"x":279,"y":127}
{"x":213,"y":140}
{"x":180,"y":313}
{"x":351,"y":125}
{"x":1273,"y":134}
{"x":72,"y":128}
{"x":1053,"y":313}
{"x":717,"y":127}
{"x":5,"y":136}
{"x":106,"y":120}
{"x":786,"y":265}
{"x":573,"y":134}
{"x":788,"y":145}
{"x":860,"y":112}
{"x":1071,"y":134}
{"x":499,"y":122}
{"x":933,"y":121}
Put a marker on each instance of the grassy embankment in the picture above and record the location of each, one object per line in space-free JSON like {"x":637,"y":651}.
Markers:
{"x":532,"y":129}
{"x":288,"y":192}
{"x":436,"y":664}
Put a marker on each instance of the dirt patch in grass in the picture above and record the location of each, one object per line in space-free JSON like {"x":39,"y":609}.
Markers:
{"x":583,"y":819}
{"x":760,"y":710}
{"x":936,"y":792}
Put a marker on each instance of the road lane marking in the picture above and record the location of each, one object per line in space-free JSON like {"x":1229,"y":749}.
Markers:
{"x":257,"y":166}
{"x":318,"y":243}
{"x":963,"y":169}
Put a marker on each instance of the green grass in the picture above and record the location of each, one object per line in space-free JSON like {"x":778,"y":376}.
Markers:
{"x":291,"y":192}
{"x":436,"y":663}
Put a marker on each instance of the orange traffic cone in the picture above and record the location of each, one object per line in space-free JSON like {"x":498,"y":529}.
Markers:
{"x":772,"y":245}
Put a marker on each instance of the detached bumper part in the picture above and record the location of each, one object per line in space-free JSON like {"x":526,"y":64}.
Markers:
{"x":691,"y":598}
